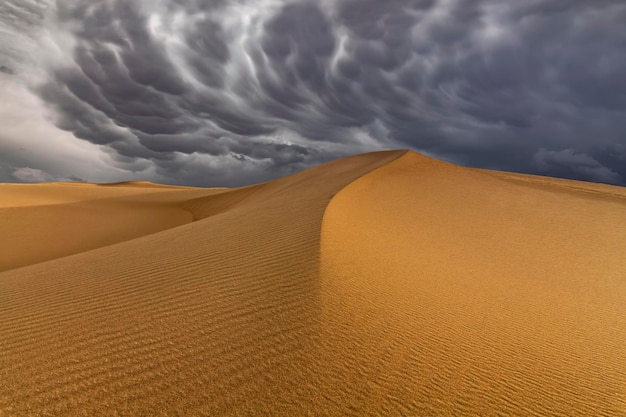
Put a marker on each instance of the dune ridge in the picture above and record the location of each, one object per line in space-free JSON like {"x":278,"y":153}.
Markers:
{"x":381,"y":284}
{"x":214,"y":317}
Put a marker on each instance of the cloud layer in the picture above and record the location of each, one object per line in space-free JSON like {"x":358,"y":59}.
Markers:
{"x":210,"y":92}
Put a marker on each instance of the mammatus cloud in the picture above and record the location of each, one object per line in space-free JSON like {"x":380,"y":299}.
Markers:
{"x":225,"y":93}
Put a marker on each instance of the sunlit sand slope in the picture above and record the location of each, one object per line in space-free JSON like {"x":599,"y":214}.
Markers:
{"x":215,"y":317}
{"x":454,"y":292}
{"x":385,"y":284}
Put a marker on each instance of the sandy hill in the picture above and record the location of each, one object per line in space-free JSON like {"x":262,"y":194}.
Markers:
{"x":384,"y":284}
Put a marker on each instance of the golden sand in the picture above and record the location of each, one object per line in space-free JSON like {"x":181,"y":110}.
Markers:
{"x":383,"y":284}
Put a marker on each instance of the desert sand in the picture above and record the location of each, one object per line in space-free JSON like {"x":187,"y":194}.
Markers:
{"x":383,"y":284}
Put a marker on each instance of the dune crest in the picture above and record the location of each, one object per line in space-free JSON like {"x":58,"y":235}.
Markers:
{"x":380,"y":284}
{"x":136,"y":184}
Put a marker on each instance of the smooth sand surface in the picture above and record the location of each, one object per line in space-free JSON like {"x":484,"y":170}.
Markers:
{"x":384,"y":284}
{"x":74,"y":218}
{"x":28,"y":195}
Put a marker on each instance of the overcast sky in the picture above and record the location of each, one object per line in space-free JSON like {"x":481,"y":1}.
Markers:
{"x":231,"y":92}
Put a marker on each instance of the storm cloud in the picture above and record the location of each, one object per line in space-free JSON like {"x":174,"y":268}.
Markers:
{"x":226,"y":93}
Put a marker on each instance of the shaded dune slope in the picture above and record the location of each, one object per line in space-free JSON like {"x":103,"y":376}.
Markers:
{"x":215,"y":317}
{"x":380,"y":284}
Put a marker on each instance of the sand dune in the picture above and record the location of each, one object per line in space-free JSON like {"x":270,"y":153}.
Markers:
{"x":381,"y":284}
{"x":26,"y":195}
{"x":69,"y":218}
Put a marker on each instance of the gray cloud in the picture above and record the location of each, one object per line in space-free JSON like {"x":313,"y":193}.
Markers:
{"x":225,"y":93}
{"x":571,"y":164}
{"x":26,"y":174}
{"x":34,"y":175}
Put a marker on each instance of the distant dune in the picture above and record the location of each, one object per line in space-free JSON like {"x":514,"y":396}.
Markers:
{"x":383,"y":284}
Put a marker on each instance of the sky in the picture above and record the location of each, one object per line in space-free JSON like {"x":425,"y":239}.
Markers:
{"x":234,"y":92}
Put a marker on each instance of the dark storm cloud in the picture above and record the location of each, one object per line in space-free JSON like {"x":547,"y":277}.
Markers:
{"x":568,"y":163}
{"x":6,"y":70}
{"x":209,"y":52}
{"x":524,"y":86}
